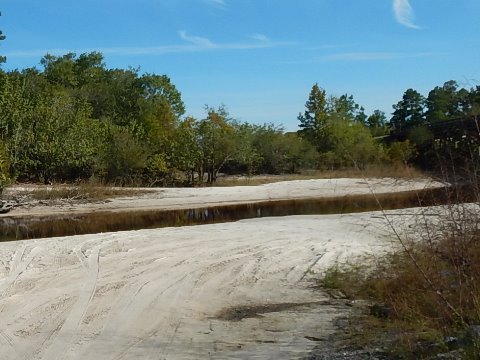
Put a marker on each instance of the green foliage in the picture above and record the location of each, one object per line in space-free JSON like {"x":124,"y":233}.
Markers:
{"x":4,"y":167}
{"x":216,"y":142}
{"x":158,"y":88}
{"x":246,"y":154}
{"x":61,"y":123}
{"x":354,"y":145}
{"x":345,"y":108}
{"x":337,"y":128}
{"x":409,"y":112}
{"x":401,"y":152}
{"x":123,"y":158}
{"x":446,"y":102}
{"x":314,"y":121}
{"x":76,"y":119}
{"x":377,"y":123}
{"x":280,"y":152}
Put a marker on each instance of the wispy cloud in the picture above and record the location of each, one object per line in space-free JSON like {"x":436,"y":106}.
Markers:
{"x":404,"y":13}
{"x":190,"y":44}
{"x":376,"y":56}
{"x":196,"y":40}
{"x":260,"y":37}
{"x":217,"y":3}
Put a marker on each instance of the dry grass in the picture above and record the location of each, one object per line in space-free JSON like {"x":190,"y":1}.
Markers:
{"x":84,"y":191}
{"x":373,"y":172}
{"x":424,"y":295}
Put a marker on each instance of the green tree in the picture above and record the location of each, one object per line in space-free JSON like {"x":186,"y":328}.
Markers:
{"x":446,"y":102}
{"x":216,"y":142}
{"x":246,"y":155}
{"x":345,"y":108}
{"x":4,"y":167}
{"x":402,"y":152}
{"x":298,"y":153}
{"x":159,"y":88}
{"x":377,"y":123}
{"x":314,"y":121}
{"x":353,"y":146}
{"x":122,"y":159}
{"x":186,"y":154}
{"x":16,"y":119}
{"x":60,"y":70}
{"x":409,"y":112}
{"x":63,"y":139}
{"x":267,"y":143}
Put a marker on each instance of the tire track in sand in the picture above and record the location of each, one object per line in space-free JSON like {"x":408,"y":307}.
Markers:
{"x":63,"y":340}
{"x":18,"y":266}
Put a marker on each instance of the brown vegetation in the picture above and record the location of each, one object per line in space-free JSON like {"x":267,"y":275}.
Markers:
{"x":425,"y":299}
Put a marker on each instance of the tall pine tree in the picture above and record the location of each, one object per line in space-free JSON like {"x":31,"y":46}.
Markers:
{"x":313,"y":122}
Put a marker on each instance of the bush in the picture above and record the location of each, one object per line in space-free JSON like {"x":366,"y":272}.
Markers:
{"x":4,"y":167}
{"x":123,"y":159}
{"x":426,"y":293}
{"x":401,"y":152}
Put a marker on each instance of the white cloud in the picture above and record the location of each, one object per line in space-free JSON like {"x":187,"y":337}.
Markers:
{"x":196,"y":40}
{"x":193,"y":44}
{"x":218,"y":3}
{"x":376,"y":56}
{"x":259,"y":37}
{"x":404,"y":13}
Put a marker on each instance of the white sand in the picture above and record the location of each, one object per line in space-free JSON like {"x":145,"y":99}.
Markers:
{"x":180,"y":198}
{"x":155,"y":294}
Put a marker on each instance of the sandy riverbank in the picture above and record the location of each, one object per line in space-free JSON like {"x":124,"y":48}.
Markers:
{"x":182,"y":198}
{"x":182,"y":293}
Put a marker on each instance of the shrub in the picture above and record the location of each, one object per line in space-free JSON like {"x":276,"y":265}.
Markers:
{"x":4,"y":167}
{"x":426,"y":293}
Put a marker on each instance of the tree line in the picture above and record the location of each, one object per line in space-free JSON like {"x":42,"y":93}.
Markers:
{"x":76,"y":119}
{"x":345,"y":136}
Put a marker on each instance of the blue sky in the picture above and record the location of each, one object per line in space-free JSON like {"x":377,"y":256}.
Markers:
{"x":260,"y":57}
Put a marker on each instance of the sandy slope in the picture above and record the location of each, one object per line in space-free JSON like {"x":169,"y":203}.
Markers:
{"x":158,"y":294}
{"x":155,"y":294}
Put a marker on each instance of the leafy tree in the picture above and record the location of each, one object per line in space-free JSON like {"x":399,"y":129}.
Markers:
{"x":298,"y":153}
{"x":159,"y":88}
{"x":216,"y":141}
{"x":474,"y":100}
{"x":314,"y":121}
{"x":123,"y":158}
{"x":62,"y":139}
{"x":89,"y":69}
{"x":377,"y":123}
{"x":117,"y":97}
{"x":265,"y":141}
{"x":345,"y":108}
{"x":402,"y":152}
{"x":446,"y":102}
{"x":409,"y":112}
{"x":16,"y":119}
{"x":247,"y":156}
{"x":353,"y":146}
{"x":186,"y":153}
{"x":4,"y":167}
{"x":60,"y":70}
